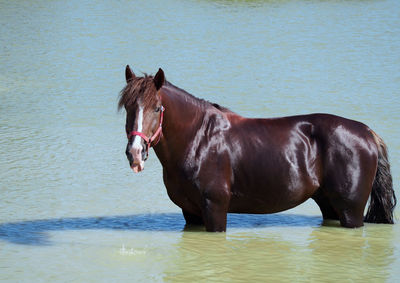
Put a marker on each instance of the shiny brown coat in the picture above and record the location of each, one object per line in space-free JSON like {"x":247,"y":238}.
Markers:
{"x":216,"y":161}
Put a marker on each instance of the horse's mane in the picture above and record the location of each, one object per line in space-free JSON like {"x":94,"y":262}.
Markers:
{"x":198,"y":101}
{"x":144,"y":86}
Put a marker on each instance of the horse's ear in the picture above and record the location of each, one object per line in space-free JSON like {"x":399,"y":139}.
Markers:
{"x":129,"y":75}
{"x":159,"y":79}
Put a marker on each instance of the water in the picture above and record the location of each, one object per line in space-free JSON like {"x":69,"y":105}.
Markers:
{"x":70,"y":207}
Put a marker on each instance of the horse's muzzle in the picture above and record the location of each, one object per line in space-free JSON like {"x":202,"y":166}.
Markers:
{"x":136,"y":158}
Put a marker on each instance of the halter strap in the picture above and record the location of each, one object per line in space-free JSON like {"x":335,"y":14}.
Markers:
{"x":147,"y":140}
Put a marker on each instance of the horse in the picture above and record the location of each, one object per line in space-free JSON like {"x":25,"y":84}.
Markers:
{"x":217,"y":162}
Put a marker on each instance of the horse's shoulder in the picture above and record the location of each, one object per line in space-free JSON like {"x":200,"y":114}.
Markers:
{"x":215,"y":121}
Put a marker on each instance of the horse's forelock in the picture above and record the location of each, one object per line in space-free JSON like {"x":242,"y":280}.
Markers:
{"x":142,"y":87}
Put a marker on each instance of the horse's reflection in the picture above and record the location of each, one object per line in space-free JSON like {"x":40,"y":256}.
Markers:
{"x":352,"y":255}
{"x":285,"y":253}
{"x":275,"y":247}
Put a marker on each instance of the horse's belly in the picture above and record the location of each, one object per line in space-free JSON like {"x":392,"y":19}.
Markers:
{"x":257,"y":207}
{"x":269,"y":199}
{"x":271,"y":187}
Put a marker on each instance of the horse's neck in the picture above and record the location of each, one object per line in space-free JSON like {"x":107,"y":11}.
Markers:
{"x":186,"y":110}
{"x":182,"y":117}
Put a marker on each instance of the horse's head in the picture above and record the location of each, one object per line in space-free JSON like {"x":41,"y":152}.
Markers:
{"x":144,"y":114}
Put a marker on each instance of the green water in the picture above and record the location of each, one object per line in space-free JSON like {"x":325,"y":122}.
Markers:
{"x":70,"y":207}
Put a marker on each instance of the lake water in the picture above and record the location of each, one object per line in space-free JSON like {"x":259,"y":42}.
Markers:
{"x":70,"y":207}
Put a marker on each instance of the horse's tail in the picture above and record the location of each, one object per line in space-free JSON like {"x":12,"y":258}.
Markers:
{"x":383,"y":200}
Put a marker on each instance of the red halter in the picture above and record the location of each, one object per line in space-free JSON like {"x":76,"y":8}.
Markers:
{"x":147,"y":140}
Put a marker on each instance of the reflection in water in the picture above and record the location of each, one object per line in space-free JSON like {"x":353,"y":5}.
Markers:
{"x":221,"y":257}
{"x":277,"y":247}
{"x":358,"y":255}
{"x":326,"y":253}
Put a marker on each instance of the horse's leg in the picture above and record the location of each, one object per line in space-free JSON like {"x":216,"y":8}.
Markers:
{"x":348,"y":195}
{"x":214,"y":207}
{"x":348,"y":208}
{"x":350,"y":213}
{"x":192,"y":219}
{"x":213,"y":182}
{"x":214,"y":215}
{"x":352,"y":217}
{"x":328,"y":212}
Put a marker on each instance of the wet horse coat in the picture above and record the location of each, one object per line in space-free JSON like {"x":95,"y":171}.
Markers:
{"x":216,"y":161}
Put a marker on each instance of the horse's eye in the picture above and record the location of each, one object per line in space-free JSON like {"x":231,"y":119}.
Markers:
{"x":157,"y":109}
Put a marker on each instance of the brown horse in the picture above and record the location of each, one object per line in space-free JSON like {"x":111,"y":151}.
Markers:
{"x":215,"y":161}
